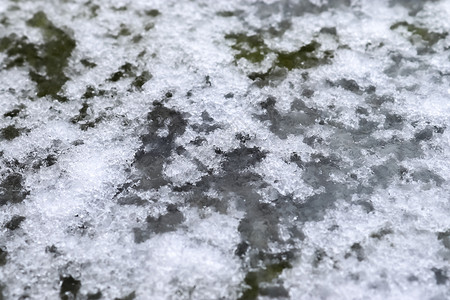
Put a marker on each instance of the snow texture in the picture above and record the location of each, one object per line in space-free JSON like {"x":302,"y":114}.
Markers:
{"x":259,"y":149}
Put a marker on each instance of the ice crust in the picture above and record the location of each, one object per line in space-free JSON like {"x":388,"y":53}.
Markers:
{"x":225,"y":150}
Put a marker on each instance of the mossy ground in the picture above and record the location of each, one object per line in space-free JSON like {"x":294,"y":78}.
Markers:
{"x":47,"y":61}
{"x":250,"y":47}
{"x":425,"y":34}
{"x":254,"y":49}
{"x":254,"y":279}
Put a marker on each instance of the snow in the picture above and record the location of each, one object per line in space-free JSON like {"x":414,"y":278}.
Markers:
{"x":178,"y":166}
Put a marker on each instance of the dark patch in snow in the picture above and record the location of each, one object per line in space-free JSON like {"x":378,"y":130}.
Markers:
{"x":15,"y":222}
{"x":12,"y":190}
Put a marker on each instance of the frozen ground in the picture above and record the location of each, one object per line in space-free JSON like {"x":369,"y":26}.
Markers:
{"x":224,"y":149}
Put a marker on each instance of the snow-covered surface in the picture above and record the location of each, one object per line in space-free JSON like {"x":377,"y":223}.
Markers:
{"x":224,"y":149}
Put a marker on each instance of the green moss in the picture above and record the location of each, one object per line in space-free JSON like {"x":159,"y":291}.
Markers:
{"x":228,"y":14}
{"x":137,"y":38}
{"x":47,"y":61}
{"x":152,"y":13}
{"x":121,"y":8}
{"x":5,"y":42}
{"x":428,"y":36}
{"x":255,"y":278}
{"x":124,"y":31}
{"x":40,"y":20}
{"x":304,"y":58}
{"x":56,"y":50}
{"x":254,"y":49}
{"x":48,"y":85}
{"x":141,"y":54}
{"x":87,"y":63}
{"x":10,"y":132}
{"x":19,"y":51}
{"x":250,"y":47}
